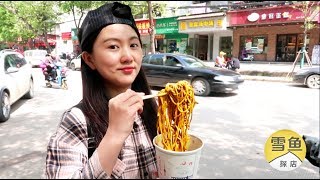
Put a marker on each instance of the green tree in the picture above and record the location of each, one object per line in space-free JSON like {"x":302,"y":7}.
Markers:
{"x":310,"y":10}
{"x":30,"y":19}
{"x":78,"y":9}
{"x":7,"y":26}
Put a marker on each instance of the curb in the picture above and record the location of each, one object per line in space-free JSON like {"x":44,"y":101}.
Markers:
{"x":264,"y":73}
{"x":267,"y":78}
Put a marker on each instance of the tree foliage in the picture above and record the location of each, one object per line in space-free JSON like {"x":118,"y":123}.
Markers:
{"x":310,"y":10}
{"x":27,"y":19}
{"x":78,"y":9}
{"x":7,"y":26}
{"x":30,"y":19}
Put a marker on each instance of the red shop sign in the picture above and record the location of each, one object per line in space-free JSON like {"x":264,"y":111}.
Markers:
{"x":66,"y":36}
{"x":266,"y":16}
{"x":143,"y":26}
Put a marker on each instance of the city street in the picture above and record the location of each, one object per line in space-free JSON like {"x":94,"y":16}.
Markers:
{"x":233,"y":127}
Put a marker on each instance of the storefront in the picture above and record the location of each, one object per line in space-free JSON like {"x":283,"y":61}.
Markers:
{"x":207,"y":34}
{"x":270,"y":34}
{"x":168,"y":38}
{"x":143,"y":26}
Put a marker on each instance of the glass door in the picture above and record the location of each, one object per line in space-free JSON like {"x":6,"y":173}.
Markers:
{"x":291,"y":48}
{"x":286,"y":47}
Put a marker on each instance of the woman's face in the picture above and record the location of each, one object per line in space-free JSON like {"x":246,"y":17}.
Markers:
{"x":117,"y":55}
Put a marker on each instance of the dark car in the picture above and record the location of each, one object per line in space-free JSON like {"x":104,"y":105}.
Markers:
{"x":164,"y":68}
{"x":309,"y":76}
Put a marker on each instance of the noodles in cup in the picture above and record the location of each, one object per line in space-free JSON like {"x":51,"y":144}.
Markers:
{"x":175,"y":115}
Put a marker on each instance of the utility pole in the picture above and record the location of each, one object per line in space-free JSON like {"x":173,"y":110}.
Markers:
{"x":151,"y":29}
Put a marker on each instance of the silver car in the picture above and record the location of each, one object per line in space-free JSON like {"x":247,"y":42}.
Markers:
{"x":16,"y":81}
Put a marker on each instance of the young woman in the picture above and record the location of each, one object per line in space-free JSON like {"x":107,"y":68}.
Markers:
{"x":112,"y":120}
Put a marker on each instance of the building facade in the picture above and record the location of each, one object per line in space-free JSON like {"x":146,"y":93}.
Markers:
{"x":208,"y":34}
{"x":271,"y":33}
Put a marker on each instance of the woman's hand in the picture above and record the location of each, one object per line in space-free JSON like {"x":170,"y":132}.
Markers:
{"x":122,"y":112}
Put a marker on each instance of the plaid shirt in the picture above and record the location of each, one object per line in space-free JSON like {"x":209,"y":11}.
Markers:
{"x":67,"y":152}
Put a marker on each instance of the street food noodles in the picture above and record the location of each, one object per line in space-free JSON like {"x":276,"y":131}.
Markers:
{"x":175,"y":115}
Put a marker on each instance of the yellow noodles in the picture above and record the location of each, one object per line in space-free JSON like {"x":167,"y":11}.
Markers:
{"x":175,"y":115}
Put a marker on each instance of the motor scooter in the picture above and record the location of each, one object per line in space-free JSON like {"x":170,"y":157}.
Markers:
{"x":246,"y":56}
{"x":57,"y":76}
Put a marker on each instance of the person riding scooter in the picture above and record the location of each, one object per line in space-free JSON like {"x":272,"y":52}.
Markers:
{"x":48,"y":68}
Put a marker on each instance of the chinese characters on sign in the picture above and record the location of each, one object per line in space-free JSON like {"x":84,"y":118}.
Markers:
{"x":285,"y":150}
{"x":201,"y":24}
{"x":167,"y":24}
{"x":143,"y":27}
{"x":270,"y":16}
{"x":279,"y":142}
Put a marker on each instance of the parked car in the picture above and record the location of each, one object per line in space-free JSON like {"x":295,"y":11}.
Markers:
{"x":164,"y":68}
{"x":35,"y":56}
{"x":16,"y":81}
{"x":76,"y":63}
{"x":309,"y":76}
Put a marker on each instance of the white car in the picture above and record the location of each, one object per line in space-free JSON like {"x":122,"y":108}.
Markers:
{"x":16,"y":81}
{"x":35,"y":56}
{"x":76,"y":63}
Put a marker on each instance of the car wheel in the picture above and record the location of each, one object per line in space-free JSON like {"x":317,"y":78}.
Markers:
{"x":30,"y":93}
{"x":201,"y":87}
{"x":313,"y":81}
{"x":5,"y":107}
{"x":73,"y":67}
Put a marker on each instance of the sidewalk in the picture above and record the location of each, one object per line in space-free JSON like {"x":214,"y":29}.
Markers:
{"x":266,"y":71}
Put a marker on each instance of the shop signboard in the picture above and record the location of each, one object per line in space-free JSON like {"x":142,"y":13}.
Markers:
{"x":203,"y":24}
{"x":269,"y":15}
{"x":167,"y":25}
{"x":143,"y":26}
{"x":66,"y":36}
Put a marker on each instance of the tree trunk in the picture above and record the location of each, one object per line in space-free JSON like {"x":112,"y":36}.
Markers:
{"x":45,"y":37}
{"x":152,"y":46}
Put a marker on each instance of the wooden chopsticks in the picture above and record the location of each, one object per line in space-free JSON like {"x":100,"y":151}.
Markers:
{"x":152,"y":96}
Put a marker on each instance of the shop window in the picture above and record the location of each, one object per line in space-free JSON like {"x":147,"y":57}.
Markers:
{"x":288,"y":45}
{"x":254,"y":44}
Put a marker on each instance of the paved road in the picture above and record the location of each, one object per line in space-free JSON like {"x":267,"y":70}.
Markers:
{"x":234,"y":128}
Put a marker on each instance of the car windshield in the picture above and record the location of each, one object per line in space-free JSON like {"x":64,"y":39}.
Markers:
{"x":192,"y":61}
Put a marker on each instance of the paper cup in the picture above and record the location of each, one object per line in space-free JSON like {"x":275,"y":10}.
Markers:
{"x":179,"y":165}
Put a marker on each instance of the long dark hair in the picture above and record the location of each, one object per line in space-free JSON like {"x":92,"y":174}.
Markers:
{"x":95,"y":101}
